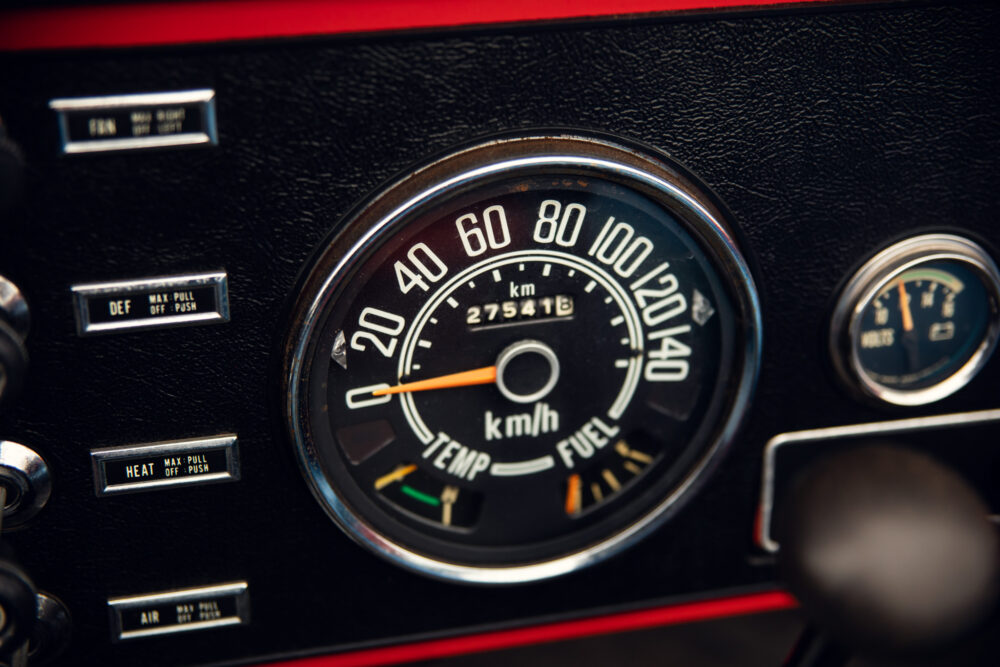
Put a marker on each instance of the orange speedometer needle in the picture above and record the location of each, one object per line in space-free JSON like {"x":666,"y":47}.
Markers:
{"x":904,"y":305}
{"x":487,"y":375}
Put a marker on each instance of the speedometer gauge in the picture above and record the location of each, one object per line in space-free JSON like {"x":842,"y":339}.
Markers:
{"x":520,"y":358}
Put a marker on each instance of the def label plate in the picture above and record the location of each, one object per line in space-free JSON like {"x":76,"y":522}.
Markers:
{"x":151,"y":303}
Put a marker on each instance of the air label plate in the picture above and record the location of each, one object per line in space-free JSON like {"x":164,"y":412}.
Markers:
{"x":184,"y":610}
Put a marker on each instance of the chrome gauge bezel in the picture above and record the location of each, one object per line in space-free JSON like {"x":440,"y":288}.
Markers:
{"x":421,"y":190}
{"x":871,"y":279}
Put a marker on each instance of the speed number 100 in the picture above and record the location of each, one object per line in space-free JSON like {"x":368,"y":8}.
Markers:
{"x":617,"y":245}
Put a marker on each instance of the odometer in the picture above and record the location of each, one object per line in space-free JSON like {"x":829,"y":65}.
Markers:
{"x":520,"y":358}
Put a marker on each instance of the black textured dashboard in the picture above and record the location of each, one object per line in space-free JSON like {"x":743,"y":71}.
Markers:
{"x":827,"y":132}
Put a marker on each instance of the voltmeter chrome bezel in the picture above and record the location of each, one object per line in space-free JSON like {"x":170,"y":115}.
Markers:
{"x":864,"y":286}
{"x":526,"y":154}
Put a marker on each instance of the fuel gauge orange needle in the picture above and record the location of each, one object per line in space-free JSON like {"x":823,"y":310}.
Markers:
{"x":904,"y":305}
{"x":573,"y":499}
{"x":487,"y":375}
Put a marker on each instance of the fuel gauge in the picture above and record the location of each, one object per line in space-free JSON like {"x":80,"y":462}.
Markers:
{"x":918,"y":320}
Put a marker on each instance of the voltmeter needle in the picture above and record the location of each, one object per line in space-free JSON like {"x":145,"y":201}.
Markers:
{"x":487,"y":375}
{"x":904,"y":305}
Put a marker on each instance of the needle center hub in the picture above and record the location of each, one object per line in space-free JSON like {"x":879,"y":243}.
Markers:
{"x":527,"y":371}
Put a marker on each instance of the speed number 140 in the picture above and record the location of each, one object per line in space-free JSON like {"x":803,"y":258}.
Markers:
{"x":617,"y":246}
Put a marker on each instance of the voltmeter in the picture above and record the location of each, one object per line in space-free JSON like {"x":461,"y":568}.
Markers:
{"x":918,"y":320}
{"x":520,"y":358}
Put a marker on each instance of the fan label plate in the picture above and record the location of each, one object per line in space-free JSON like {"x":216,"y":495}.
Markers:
{"x":131,"y":122}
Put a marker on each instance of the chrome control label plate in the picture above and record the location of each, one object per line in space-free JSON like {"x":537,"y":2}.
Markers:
{"x":176,"y":611}
{"x":131,"y":122}
{"x":165,"y":464}
{"x":151,"y":303}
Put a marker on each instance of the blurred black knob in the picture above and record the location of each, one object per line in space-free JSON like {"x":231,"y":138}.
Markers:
{"x":51,"y":635}
{"x":11,"y":171}
{"x":888,"y":551}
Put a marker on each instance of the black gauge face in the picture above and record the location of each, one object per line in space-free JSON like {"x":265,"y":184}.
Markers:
{"x":922,"y":319}
{"x":924,"y":325}
{"x":522,"y":369}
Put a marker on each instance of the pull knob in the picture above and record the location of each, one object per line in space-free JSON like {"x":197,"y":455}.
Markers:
{"x":888,"y":551}
{"x":53,"y":629}
{"x":18,"y":599}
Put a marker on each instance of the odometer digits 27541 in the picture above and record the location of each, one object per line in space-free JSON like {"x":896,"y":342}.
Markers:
{"x":520,"y":358}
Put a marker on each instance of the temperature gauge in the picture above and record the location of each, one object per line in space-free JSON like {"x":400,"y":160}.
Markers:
{"x":918,"y":320}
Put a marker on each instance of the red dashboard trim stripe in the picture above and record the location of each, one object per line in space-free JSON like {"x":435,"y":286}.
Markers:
{"x":633,"y":620}
{"x":160,"y":23}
